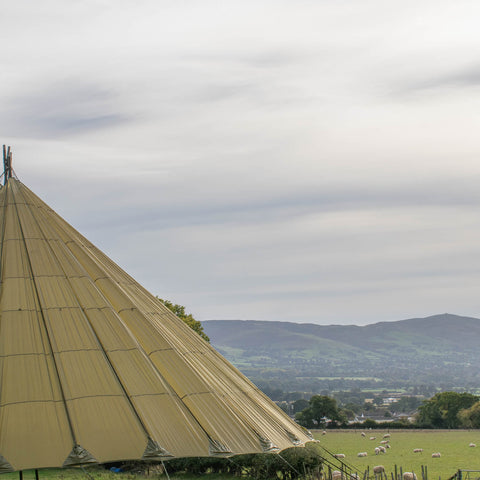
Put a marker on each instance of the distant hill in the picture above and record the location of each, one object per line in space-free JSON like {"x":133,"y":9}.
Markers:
{"x":441,"y":350}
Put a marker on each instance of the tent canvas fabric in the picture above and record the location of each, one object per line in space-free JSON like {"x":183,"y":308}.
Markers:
{"x":96,"y":369}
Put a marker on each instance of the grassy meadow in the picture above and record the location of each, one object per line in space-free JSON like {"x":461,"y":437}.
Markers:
{"x":452,"y":444}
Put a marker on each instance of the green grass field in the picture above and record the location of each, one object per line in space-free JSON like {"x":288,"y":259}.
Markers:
{"x":452,"y":444}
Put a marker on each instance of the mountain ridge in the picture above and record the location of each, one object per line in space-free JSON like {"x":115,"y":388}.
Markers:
{"x":436,"y":349}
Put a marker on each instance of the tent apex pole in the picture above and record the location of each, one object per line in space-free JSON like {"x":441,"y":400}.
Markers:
{"x":7,"y":164}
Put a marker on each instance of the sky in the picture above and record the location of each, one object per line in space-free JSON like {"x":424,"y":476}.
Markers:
{"x":304,"y":161}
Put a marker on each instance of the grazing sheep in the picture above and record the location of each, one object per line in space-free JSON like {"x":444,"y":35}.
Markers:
{"x":362,"y":454}
{"x":417,"y":450}
{"x":354,"y":476}
{"x":388,"y":445}
{"x":378,"y":469}
{"x":383,"y":442}
{"x":472,"y":445}
{"x":436,"y":455}
{"x":339,"y":455}
{"x":324,"y":432}
{"x":377,"y":450}
{"x":387,"y":435}
{"x":337,"y":475}
{"x":382,"y":449}
{"x":373,"y":438}
{"x":362,"y":434}
{"x":409,"y":476}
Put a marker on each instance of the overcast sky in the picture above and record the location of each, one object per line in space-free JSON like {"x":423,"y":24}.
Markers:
{"x":307,"y":161}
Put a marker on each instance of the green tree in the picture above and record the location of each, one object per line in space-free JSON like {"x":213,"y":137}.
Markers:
{"x":470,"y":417}
{"x":320,"y":408}
{"x":347,"y":413}
{"x":179,"y":311}
{"x":405,"y":404}
{"x":299,"y":405}
{"x":355,"y":407}
{"x":441,"y":411}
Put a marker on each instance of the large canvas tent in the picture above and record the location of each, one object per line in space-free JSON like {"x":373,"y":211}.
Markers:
{"x":95,"y":369}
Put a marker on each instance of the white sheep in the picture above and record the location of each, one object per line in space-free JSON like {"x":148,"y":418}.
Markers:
{"x":362,"y":454}
{"x":373,"y":438}
{"x":324,"y":432}
{"x":382,"y":449}
{"x":362,"y":434}
{"x":388,"y":445}
{"x":436,"y":455}
{"x":378,"y":469}
{"x":384,"y":442}
{"x":354,"y":476}
{"x":417,"y":450}
{"x":339,"y":455}
{"x":377,"y":450}
{"x":337,"y":475}
{"x":409,"y":476}
{"x":387,"y":435}
{"x":472,"y":445}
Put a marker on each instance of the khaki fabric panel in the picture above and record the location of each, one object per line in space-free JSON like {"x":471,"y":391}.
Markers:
{"x":250,"y":414}
{"x":256,"y":396}
{"x":241,"y":396}
{"x":113,"y":294}
{"x":25,"y":378}
{"x":70,"y":265}
{"x":93,"y":270}
{"x":17,"y":294}
{"x":42,"y":261}
{"x":34,"y":435}
{"x":146,"y":334}
{"x":87,"y":293}
{"x":175,"y":331}
{"x":12,"y":226}
{"x":110,"y":329}
{"x":254,"y":409}
{"x":222,"y":424}
{"x":69,"y":330}
{"x":107,"y":428}
{"x":24,"y":371}
{"x":174,"y":334}
{"x":184,"y":342}
{"x":108,"y":265}
{"x":137,"y":373}
{"x":86,"y":373}
{"x":173,"y":369}
{"x":14,"y":259}
{"x":3,"y":197}
{"x":173,"y":428}
{"x":55,"y":292}
{"x":20,"y":333}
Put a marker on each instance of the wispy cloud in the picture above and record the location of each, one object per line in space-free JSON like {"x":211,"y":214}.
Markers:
{"x":60,"y":109}
{"x":460,"y":79}
{"x":271,"y":159}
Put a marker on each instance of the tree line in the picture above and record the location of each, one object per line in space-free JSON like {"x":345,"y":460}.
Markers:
{"x":446,"y":410}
